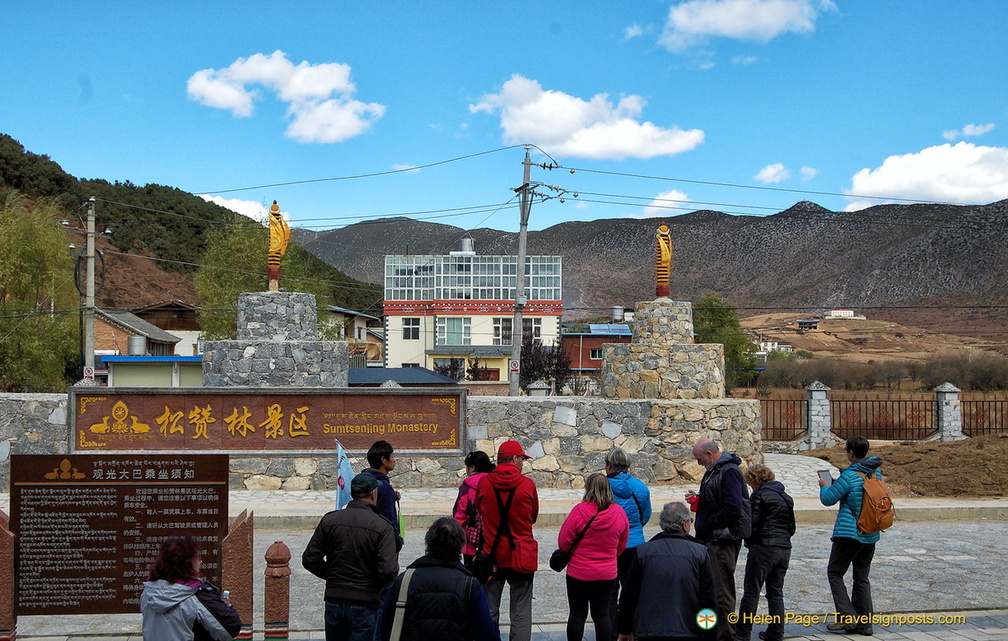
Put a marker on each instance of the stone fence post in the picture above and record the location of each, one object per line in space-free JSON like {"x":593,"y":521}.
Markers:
{"x":8,"y":617}
{"x":949,"y":414}
{"x":276,"y":596}
{"x":818,"y":417}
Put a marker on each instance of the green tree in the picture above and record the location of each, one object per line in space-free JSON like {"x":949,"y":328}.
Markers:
{"x":39,"y":303}
{"x":235,"y":263}
{"x":715,"y":321}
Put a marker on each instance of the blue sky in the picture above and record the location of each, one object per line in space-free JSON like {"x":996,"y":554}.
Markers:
{"x":660,"y":107}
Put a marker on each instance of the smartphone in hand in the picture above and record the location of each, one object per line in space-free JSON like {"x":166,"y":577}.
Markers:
{"x":825,"y":477}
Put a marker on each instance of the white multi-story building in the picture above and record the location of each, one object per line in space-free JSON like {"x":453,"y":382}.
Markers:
{"x":839,"y":313}
{"x":460,"y":307}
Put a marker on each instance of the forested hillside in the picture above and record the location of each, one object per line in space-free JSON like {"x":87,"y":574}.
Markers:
{"x":162,"y":223}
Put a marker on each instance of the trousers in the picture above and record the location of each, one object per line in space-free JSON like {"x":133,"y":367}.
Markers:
{"x":844,"y":554}
{"x":724,"y":558}
{"x":520,"y":586}
{"x":765,"y":565}
{"x":350,"y":622}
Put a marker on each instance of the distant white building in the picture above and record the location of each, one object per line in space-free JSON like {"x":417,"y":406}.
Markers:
{"x":775,"y":346}
{"x":839,"y":313}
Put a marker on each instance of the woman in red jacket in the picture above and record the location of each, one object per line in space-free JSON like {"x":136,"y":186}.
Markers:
{"x":594,"y":534}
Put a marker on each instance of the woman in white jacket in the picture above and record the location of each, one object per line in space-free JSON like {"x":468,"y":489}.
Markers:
{"x":177,"y":605}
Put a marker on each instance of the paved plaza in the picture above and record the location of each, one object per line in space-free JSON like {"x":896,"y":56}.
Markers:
{"x":943,"y":560}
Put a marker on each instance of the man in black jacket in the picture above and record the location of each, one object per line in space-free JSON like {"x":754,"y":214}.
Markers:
{"x":669,"y":590}
{"x":773,"y":525}
{"x":354,"y":550}
{"x":722,"y":520}
{"x":443,"y":600}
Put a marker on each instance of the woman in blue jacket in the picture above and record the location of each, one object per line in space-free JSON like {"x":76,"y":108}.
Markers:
{"x":851,"y":547}
{"x":635,"y":498}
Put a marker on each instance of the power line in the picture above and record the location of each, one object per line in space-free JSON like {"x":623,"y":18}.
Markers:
{"x":357,"y":176}
{"x":756,"y":187}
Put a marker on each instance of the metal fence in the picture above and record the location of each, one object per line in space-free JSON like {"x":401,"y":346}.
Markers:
{"x":984,"y":416}
{"x":884,"y":419}
{"x":783,"y":419}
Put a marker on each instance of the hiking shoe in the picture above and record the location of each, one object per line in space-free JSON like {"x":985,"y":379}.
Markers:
{"x":838,"y":627}
{"x":763,"y":635}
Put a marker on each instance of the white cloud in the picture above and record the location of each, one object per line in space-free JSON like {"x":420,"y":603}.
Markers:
{"x":319,"y":96}
{"x":692,"y":23}
{"x":808,"y":173}
{"x":977,"y":130}
{"x":565,"y":125}
{"x":960,"y":173}
{"x":968,"y":130}
{"x":633,"y":31}
{"x":668,"y":203}
{"x":253,"y":209}
{"x":745,"y":61}
{"x":774,"y":173}
{"x":404,"y":167}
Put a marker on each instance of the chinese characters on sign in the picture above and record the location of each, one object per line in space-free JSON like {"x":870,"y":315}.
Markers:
{"x":200,"y":420}
{"x":88,"y":526}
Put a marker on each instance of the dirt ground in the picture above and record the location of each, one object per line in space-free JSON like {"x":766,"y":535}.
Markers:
{"x":971,"y":468}
{"x":867,"y":340}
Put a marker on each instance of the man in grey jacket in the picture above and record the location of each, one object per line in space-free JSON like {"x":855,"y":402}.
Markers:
{"x":354,"y":550}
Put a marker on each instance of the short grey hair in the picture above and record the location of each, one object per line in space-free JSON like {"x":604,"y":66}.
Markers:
{"x":673,"y":515}
{"x":707,"y":445}
{"x":618,"y":460}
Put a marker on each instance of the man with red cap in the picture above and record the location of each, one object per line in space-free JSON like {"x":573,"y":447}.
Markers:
{"x":508,"y":504}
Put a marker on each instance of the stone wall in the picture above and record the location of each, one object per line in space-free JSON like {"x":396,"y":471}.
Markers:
{"x":567,"y":436}
{"x":31,"y":424}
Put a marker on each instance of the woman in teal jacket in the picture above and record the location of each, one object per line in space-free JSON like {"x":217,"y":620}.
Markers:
{"x":635,"y":498}
{"x":850,"y":546}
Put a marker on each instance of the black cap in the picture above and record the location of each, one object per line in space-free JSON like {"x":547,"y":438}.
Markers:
{"x":363,"y":484}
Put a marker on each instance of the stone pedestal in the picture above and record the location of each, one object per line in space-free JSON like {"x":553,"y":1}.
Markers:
{"x":277,"y":316}
{"x":680,"y":385}
{"x":662,"y":362}
{"x":277,"y":346}
{"x":663,"y":322}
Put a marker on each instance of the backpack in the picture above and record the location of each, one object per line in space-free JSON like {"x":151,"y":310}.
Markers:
{"x":473,"y":526}
{"x":877,"y":511}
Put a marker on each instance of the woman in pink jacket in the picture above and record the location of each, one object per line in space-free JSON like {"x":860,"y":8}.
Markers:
{"x":477,"y":465}
{"x":591,"y":573}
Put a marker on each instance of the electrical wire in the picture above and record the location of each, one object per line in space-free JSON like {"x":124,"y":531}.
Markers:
{"x":711,"y":183}
{"x":358,"y":176}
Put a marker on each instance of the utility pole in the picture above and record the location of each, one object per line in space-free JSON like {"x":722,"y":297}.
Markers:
{"x":89,"y":293}
{"x":517,"y":331}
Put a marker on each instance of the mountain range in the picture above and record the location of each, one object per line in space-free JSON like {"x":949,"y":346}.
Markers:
{"x":931,"y":265}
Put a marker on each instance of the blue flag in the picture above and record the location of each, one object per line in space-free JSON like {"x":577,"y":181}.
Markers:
{"x":344,"y":474}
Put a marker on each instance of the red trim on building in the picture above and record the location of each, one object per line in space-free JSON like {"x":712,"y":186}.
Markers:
{"x":479,"y":307}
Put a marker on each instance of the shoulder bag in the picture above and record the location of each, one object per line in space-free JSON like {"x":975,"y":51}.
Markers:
{"x":559,"y":559}
{"x":484,"y":564}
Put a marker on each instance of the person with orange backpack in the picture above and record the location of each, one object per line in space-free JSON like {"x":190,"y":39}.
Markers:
{"x":852,"y":547}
